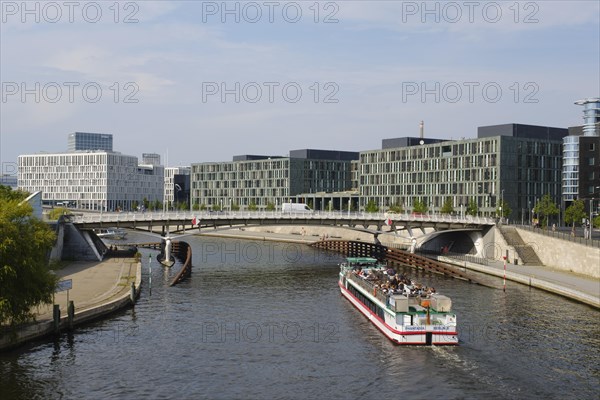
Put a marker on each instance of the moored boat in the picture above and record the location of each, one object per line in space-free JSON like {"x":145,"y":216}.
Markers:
{"x":406,"y":312}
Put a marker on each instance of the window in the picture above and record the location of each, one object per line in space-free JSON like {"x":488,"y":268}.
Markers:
{"x":592,"y":161}
{"x":592,"y":146}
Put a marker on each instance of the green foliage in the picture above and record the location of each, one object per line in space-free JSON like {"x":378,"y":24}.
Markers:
{"x":447,"y":207}
{"x":216,"y":207}
{"x":203,"y":207}
{"x":55,"y":213}
{"x":134,"y":205}
{"x":472,"y":208}
{"x":157,"y":205}
{"x":396,"y":208}
{"x":196,"y":207}
{"x":310,"y":204}
{"x":146,"y":203}
{"x":183,"y":206}
{"x":25,"y":279}
{"x":545,"y":208}
{"x":252,"y":206}
{"x":597,"y":222}
{"x":235,"y":207}
{"x":575,"y":212}
{"x":371,"y":207}
{"x":505,"y":211}
{"x":420,"y":206}
{"x":270,"y":207}
{"x":7,"y":193}
{"x":330,"y":206}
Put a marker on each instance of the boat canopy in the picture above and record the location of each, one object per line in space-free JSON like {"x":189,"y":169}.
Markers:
{"x":361,"y":260}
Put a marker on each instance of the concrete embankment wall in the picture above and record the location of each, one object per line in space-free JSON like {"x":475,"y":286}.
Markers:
{"x":564,"y":255}
{"x":41,"y":329}
{"x":495,"y":246}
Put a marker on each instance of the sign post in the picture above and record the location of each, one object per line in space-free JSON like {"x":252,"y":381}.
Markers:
{"x":63,"y":285}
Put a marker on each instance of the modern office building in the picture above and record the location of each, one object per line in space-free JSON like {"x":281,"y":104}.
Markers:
{"x":9,"y":180}
{"x":581,"y":155}
{"x":150,"y":159}
{"x":92,"y":179}
{"x":177,"y":186}
{"x":82,"y":141}
{"x":264,"y":180}
{"x":512,"y":162}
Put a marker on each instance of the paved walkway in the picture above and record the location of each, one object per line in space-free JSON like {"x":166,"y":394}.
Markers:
{"x":584,"y":284}
{"x":578,"y":287}
{"x":94,"y":283}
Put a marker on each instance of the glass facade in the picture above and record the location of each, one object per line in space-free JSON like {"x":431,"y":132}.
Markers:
{"x":483,"y":171}
{"x":79,"y":141}
{"x":575,"y":162}
{"x":270,"y":180}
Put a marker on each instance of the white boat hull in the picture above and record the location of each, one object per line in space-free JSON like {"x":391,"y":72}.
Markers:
{"x":411,"y":335}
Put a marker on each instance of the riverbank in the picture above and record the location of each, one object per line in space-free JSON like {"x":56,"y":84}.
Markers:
{"x":576,"y":287}
{"x":98,"y":289}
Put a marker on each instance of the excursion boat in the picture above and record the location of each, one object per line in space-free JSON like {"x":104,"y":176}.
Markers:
{"x":110,"y":233}
{"x":406,"y":312}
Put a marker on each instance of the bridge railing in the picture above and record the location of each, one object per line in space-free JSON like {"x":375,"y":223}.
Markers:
{"x":561,"y":235}
{"x":216,"y":215}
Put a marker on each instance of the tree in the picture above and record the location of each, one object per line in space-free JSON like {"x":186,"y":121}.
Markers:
{"x":503,"y":209}
{"x":371,"y":207}
{"x":157,"y":205}
{"x":252,"y":206}
{"x":25,"y":279}
{"x":55,"y":213}
{"x":7,"y":193}
{"x":420,"y":206}
{"x":597,"y":222}
{"x":546,"y":208}
{"x":146,"y":203}
{"x":235,"y":207}
{"x":397,"y":208}
{"x":447,"y":207}
{"x":270,"y":206}
{"x":575,"y":213}
{"x":472,"y":208}
{"x":182,"y":205}
{"x":134,"y":205}
{"x":216,"y":207}
{"x":196,"y":207}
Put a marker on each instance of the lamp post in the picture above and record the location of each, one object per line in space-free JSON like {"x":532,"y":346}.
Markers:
{"x":592,"y":211}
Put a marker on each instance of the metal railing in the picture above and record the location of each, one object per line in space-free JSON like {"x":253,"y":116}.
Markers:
{"x":456,"y":256}
{"x":561,"y":235}
{"x":107,"y":217}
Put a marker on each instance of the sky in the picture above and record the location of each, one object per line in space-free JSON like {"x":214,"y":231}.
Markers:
{"x":199,"y":81}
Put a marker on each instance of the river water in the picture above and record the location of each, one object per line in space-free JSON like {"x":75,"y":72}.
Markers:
{"x":261,"y":320}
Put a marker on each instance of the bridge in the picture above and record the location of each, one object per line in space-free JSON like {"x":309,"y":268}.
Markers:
{"x":205,"y":219}
{"x":463,"y":233}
